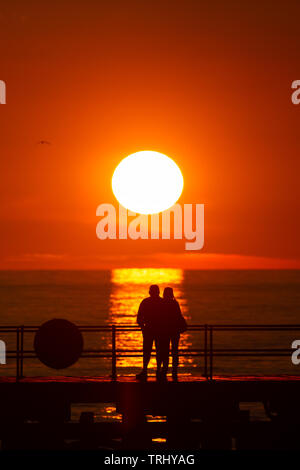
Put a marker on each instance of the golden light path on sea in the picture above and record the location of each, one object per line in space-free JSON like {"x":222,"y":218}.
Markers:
{"x":128,"y":288}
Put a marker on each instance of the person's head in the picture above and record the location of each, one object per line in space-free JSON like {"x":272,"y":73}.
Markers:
{"x":154,"y":291}
{"x":168,"y":293}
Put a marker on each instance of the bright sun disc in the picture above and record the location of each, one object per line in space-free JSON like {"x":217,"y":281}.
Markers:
{"x":147,"y":182}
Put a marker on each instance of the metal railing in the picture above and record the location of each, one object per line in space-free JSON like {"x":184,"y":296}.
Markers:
{"x":208,"y":352}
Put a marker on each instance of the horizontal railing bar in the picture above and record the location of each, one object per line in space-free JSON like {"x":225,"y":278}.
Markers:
{"x":12,"y":328}
{"x":185,"y":354}
{"x":29,"y":351}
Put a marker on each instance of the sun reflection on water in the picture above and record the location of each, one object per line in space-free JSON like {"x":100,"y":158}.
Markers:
{"x":128,"y":288}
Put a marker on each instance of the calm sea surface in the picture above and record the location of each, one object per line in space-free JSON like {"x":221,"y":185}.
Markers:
{"x":105,"y":297}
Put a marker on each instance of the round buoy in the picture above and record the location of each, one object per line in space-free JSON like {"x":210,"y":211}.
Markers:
{"x":58,"y":343}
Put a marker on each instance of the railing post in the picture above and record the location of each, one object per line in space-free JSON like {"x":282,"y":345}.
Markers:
{"x":18,"y":354}
{"x":211,"y":352}
{"x":113,"y":354}
{"x":22,"y":352}
{"x":205,"y":351}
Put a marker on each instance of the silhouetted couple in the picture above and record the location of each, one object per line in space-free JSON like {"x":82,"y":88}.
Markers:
{"x":161,"y":322}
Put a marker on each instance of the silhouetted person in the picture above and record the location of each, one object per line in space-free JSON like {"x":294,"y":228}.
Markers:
{"x":162,"y":343}
{"x":175,"y":325}
{"x":149,"y":314}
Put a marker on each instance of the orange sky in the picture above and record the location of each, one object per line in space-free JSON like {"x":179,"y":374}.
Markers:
{"x":207,"y":83}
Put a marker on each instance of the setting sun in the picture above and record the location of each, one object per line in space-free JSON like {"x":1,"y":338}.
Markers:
{"x":147,"y":182}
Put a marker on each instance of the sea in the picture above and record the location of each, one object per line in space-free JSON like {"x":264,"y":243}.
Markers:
{"x":254,"y":297}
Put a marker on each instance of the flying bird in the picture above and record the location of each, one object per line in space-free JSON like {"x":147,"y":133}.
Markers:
{"x":44,"y":142}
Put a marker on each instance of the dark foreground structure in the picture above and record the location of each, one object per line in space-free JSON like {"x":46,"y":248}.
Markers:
{"x":197,"y":412}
